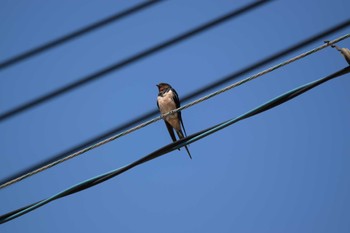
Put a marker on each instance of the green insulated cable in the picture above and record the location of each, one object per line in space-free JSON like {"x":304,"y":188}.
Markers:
{"x":173,"y":146}
{"x":144,"y":124}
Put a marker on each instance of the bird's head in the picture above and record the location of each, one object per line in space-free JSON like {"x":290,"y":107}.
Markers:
{"x":163,"y":86}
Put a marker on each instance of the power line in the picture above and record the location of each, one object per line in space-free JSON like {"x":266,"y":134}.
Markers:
{"x":195,"y":94}
{"x":61,"y":40}
{"x":130,"y":60}
{"x":173,"y":146}
{"x":176,"y":110}
{"x":271,"y":58}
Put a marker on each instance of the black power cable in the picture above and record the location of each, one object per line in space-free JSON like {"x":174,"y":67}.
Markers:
{"x":130,"y":60}
{"x":61,"y":40}
{"x":186,"y":98}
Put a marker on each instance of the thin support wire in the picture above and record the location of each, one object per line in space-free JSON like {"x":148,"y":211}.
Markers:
{"x":174,"y":111}
{"x":172,"y":146}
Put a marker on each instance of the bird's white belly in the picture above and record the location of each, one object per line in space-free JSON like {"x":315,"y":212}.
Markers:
{"x":166,"y":104}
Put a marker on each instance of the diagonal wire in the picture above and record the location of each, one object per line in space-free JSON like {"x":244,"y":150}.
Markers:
{"x":271,"y":58}
{"x":83,"y":31}
{"x":173,"y":111}
{"x":195,"y":94}
{"x":130,"y":60}
{"x":173,"y":146}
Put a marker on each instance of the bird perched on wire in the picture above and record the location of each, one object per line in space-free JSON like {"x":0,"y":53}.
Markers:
{"x":167,"y":101}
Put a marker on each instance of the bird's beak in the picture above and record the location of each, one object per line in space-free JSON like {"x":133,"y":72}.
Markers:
{"x":157,"y":85}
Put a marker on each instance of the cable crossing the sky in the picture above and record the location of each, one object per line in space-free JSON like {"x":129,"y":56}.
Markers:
{"x":195,"y":94}
{"x":54,"y":43}
{"x":173,"y":146}
{"x":125,"y":62}
{"x":86,"y":149}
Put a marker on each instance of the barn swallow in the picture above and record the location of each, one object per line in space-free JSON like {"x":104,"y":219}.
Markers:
{"x":168,"y":100}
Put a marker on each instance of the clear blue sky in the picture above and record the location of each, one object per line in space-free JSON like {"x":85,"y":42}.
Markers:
{"x":286,"y":170}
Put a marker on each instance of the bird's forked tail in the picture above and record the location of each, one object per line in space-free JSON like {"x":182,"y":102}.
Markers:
{"x":181,"y":135}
